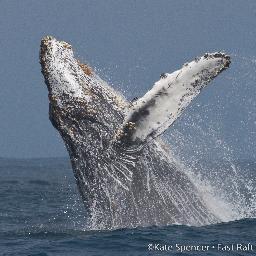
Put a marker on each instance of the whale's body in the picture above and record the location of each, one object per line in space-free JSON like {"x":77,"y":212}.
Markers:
{"x":124,"y":172}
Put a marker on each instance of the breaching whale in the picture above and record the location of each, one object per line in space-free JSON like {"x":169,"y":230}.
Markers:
{"x":124,"y":171}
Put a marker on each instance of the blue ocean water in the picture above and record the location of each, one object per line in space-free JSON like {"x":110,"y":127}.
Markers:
{"x":41,"y":214}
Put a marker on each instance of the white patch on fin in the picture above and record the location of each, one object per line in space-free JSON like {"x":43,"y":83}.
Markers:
{"x":152,"y":114}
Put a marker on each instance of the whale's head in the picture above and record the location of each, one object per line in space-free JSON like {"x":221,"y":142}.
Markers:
{"x":83,"y":108}
{"x":64,"y":74}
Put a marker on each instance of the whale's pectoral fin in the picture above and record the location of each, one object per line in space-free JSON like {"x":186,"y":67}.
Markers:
{"x":152,"y":114}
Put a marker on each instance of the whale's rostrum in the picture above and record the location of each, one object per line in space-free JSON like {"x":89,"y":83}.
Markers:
{"x":125,"y":173}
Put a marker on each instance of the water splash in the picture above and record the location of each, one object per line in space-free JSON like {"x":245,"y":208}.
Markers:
{"x":210,"y":157}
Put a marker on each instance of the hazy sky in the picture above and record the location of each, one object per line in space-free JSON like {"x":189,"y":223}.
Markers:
{"x":130,"y":43}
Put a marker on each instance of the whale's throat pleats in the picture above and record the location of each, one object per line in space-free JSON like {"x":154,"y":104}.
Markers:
{"x":152,"y":114}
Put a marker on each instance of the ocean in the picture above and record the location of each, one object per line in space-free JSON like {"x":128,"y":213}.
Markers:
{"x":42,"y":214}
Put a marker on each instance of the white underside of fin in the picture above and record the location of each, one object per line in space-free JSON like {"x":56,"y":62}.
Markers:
{"x":152,"y":114}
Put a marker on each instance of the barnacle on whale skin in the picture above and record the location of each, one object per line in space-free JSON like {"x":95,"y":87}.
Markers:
{"x":86,"y":68}
{"x":131,"y":125}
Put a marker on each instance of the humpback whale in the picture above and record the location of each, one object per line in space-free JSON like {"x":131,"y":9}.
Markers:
{"x":125,"y":172}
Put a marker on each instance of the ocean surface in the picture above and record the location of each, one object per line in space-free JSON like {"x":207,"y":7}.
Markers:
{"x":41,"y":214}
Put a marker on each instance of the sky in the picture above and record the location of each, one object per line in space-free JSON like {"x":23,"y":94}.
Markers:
{"x":130,"y":43}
